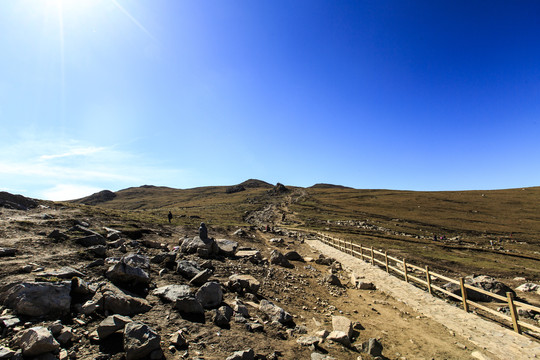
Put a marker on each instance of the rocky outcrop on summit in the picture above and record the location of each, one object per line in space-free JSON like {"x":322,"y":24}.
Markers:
{"x":16,"y":202}
{"x":97,"y":198}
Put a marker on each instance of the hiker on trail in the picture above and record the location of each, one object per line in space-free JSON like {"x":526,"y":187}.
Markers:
{"x":170,"y":217}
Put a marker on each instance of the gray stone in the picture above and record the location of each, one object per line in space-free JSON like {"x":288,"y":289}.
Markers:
{"x":65,"y":335}
{"x":317,"y":356}
{"x":122,"y":273}
{"x":91,"y":240}
{"x":38,"y":298}
{"x":9,"y":321}
{"x":164,"y":258}
{"x":250,"y":254}
{"x":201,"y":278}
{"x":140,"y":340}
{"x":332,"y":280}
{"x":240,"y":308}
{"x":294,"y":256}
{"x":112,"y":324}
{"x":365,"y":286}
{"x":210,"y":295}
{"x":6,"y":353}
{"x":188,"y":269}
{"x":178,"y":339}
{"x":248,"y":354}
{"x":274,"y":312}
{"x":171,"y":293}
{"x":254,"y":327}
{"x":279,"y":259}
{"x":36,"y":341}
{"x":222,"y":316}
{"x":116,"y":301}
{"x":189,"y":305}
{"x":57,"y":235}
{"x":136,"y":260}
{"x":373,"y":347}
{"x":227,"y":247}
{"x":7,"y":251}
{"x":341,"y":323}
{"x":484,"y":282}
{"x":65,"y":272}
{"x":80,"y":287}
{"x":308,"y":340}
{"x":528,"y":287}
{"x":339,"y":337}
{"x":243,"y":283}
{"x":98,"y":250}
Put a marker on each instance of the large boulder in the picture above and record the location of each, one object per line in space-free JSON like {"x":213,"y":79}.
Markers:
{"x":137,"y":260}
{"x":210,"y":295}
{"x":341,"y":323}
{"x":188,"y":269}
{"x":114,"y":300}
{"x":171,"y":293}
{"x":222,"y":316}
{"x":274,"y":312}
{"x":16,"y":202}
{"x":91,"y":240}
{"x":38,"y":298}
{"x":227,"y":247}
{"x":277,"y":258}
{"x":140,"y":341}
{"x":65,"y":272}
{"x":201,"y":278}
{"x":123,"y":274}
{"x":372,"y":347}
{"x":243,"y":283}
{"x":484,"y":282}
{"x":36,"y":341}
{"x":112,"y":324}
{"x":339,"y":337}
{"x":294,"y":256}
{"x":207,"y":247}
{"x":189,"y":305}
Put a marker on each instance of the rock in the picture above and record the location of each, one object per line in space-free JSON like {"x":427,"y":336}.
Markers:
{"x":242,"y":355}
{"x":243,"y":283}
{"x":95,"y":263}
{"x":164,"y":258}
{"x":36,"y":341}
{"x":81,"y":288}
{"x":112,"y":324}
{"x":65,"y":272}
{"x":317,"y":356}
{"x":277,"y":241}
{"x":227,"y":247}
{"x":249,"y":254}
{"x":341,"y":323}
{"x":210,"y":295}
{"x":222,"y":316}
{"x":136,"y":260}
{"x":201,"y":278}
{"x":189,"y":305}
{"x":254,"y":327}
{"x":365,"y":286}
{"x":239,"y":232}
{"x":274,"y":312}
{"x":117,"y":302}
{"x":116,"y":244}
{"x":8,"y":321}
{"x":124,"y":274}
{"x":240,"y":308}
{"x":373,"y":347}
{"x":322,"y":260}
{"x":308,"y":340}
{"x":197,"y":245}
{"x":277,"y":258}
{"x":171,"y":293}
{"x":38,"y":298}
{"x":527,"y":287}
{"x":322,"y":334}
{"x":57,"y":235}
{"x":16,"y":202}
{"x":140,"y":340}
{"x":188,"y":269}
{"x":178,"y":339}
{"x":332,"y":280}
{"x":65,"y":335}
{"x":7,"y":252}
{"x":6,"y":353}
{"x":339,"y":337}
{"x":91,"y":240}
{"x":484,"y":282}
{"x":293,"y":256}
{"x":203,"y":232}
{"x":98,"y":250}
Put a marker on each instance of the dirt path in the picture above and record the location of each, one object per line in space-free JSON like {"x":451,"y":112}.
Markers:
{"x":499,"y":342}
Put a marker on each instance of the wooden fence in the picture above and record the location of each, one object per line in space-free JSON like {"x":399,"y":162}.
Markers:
{"x":400,"y":268}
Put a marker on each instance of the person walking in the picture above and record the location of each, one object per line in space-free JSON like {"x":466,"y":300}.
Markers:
{"x":169,"y":216}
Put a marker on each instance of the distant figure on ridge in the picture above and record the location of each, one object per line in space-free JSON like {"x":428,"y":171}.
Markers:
{"x":170,"y":217}
{"x":203,"y":232}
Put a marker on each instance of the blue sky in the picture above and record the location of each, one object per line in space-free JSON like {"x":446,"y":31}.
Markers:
{"x":420,"y":95}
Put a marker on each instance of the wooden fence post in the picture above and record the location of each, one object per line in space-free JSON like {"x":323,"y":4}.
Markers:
{"x":362,"y":252}
{"x":386,"y":261}
{"x":513,"y":312}
{"x":405,"y":270}
{"x":464,"y":294}
{"x":428,"y":278}
{"x":372,"y":257}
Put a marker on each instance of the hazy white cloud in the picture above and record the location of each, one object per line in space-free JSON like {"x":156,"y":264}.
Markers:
{"x":52,"y":169}
{"x":68,"y":192}
{"x":74,"y":152}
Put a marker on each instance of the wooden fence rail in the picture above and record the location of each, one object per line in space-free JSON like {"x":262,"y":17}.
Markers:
{"x":401,"y":269}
